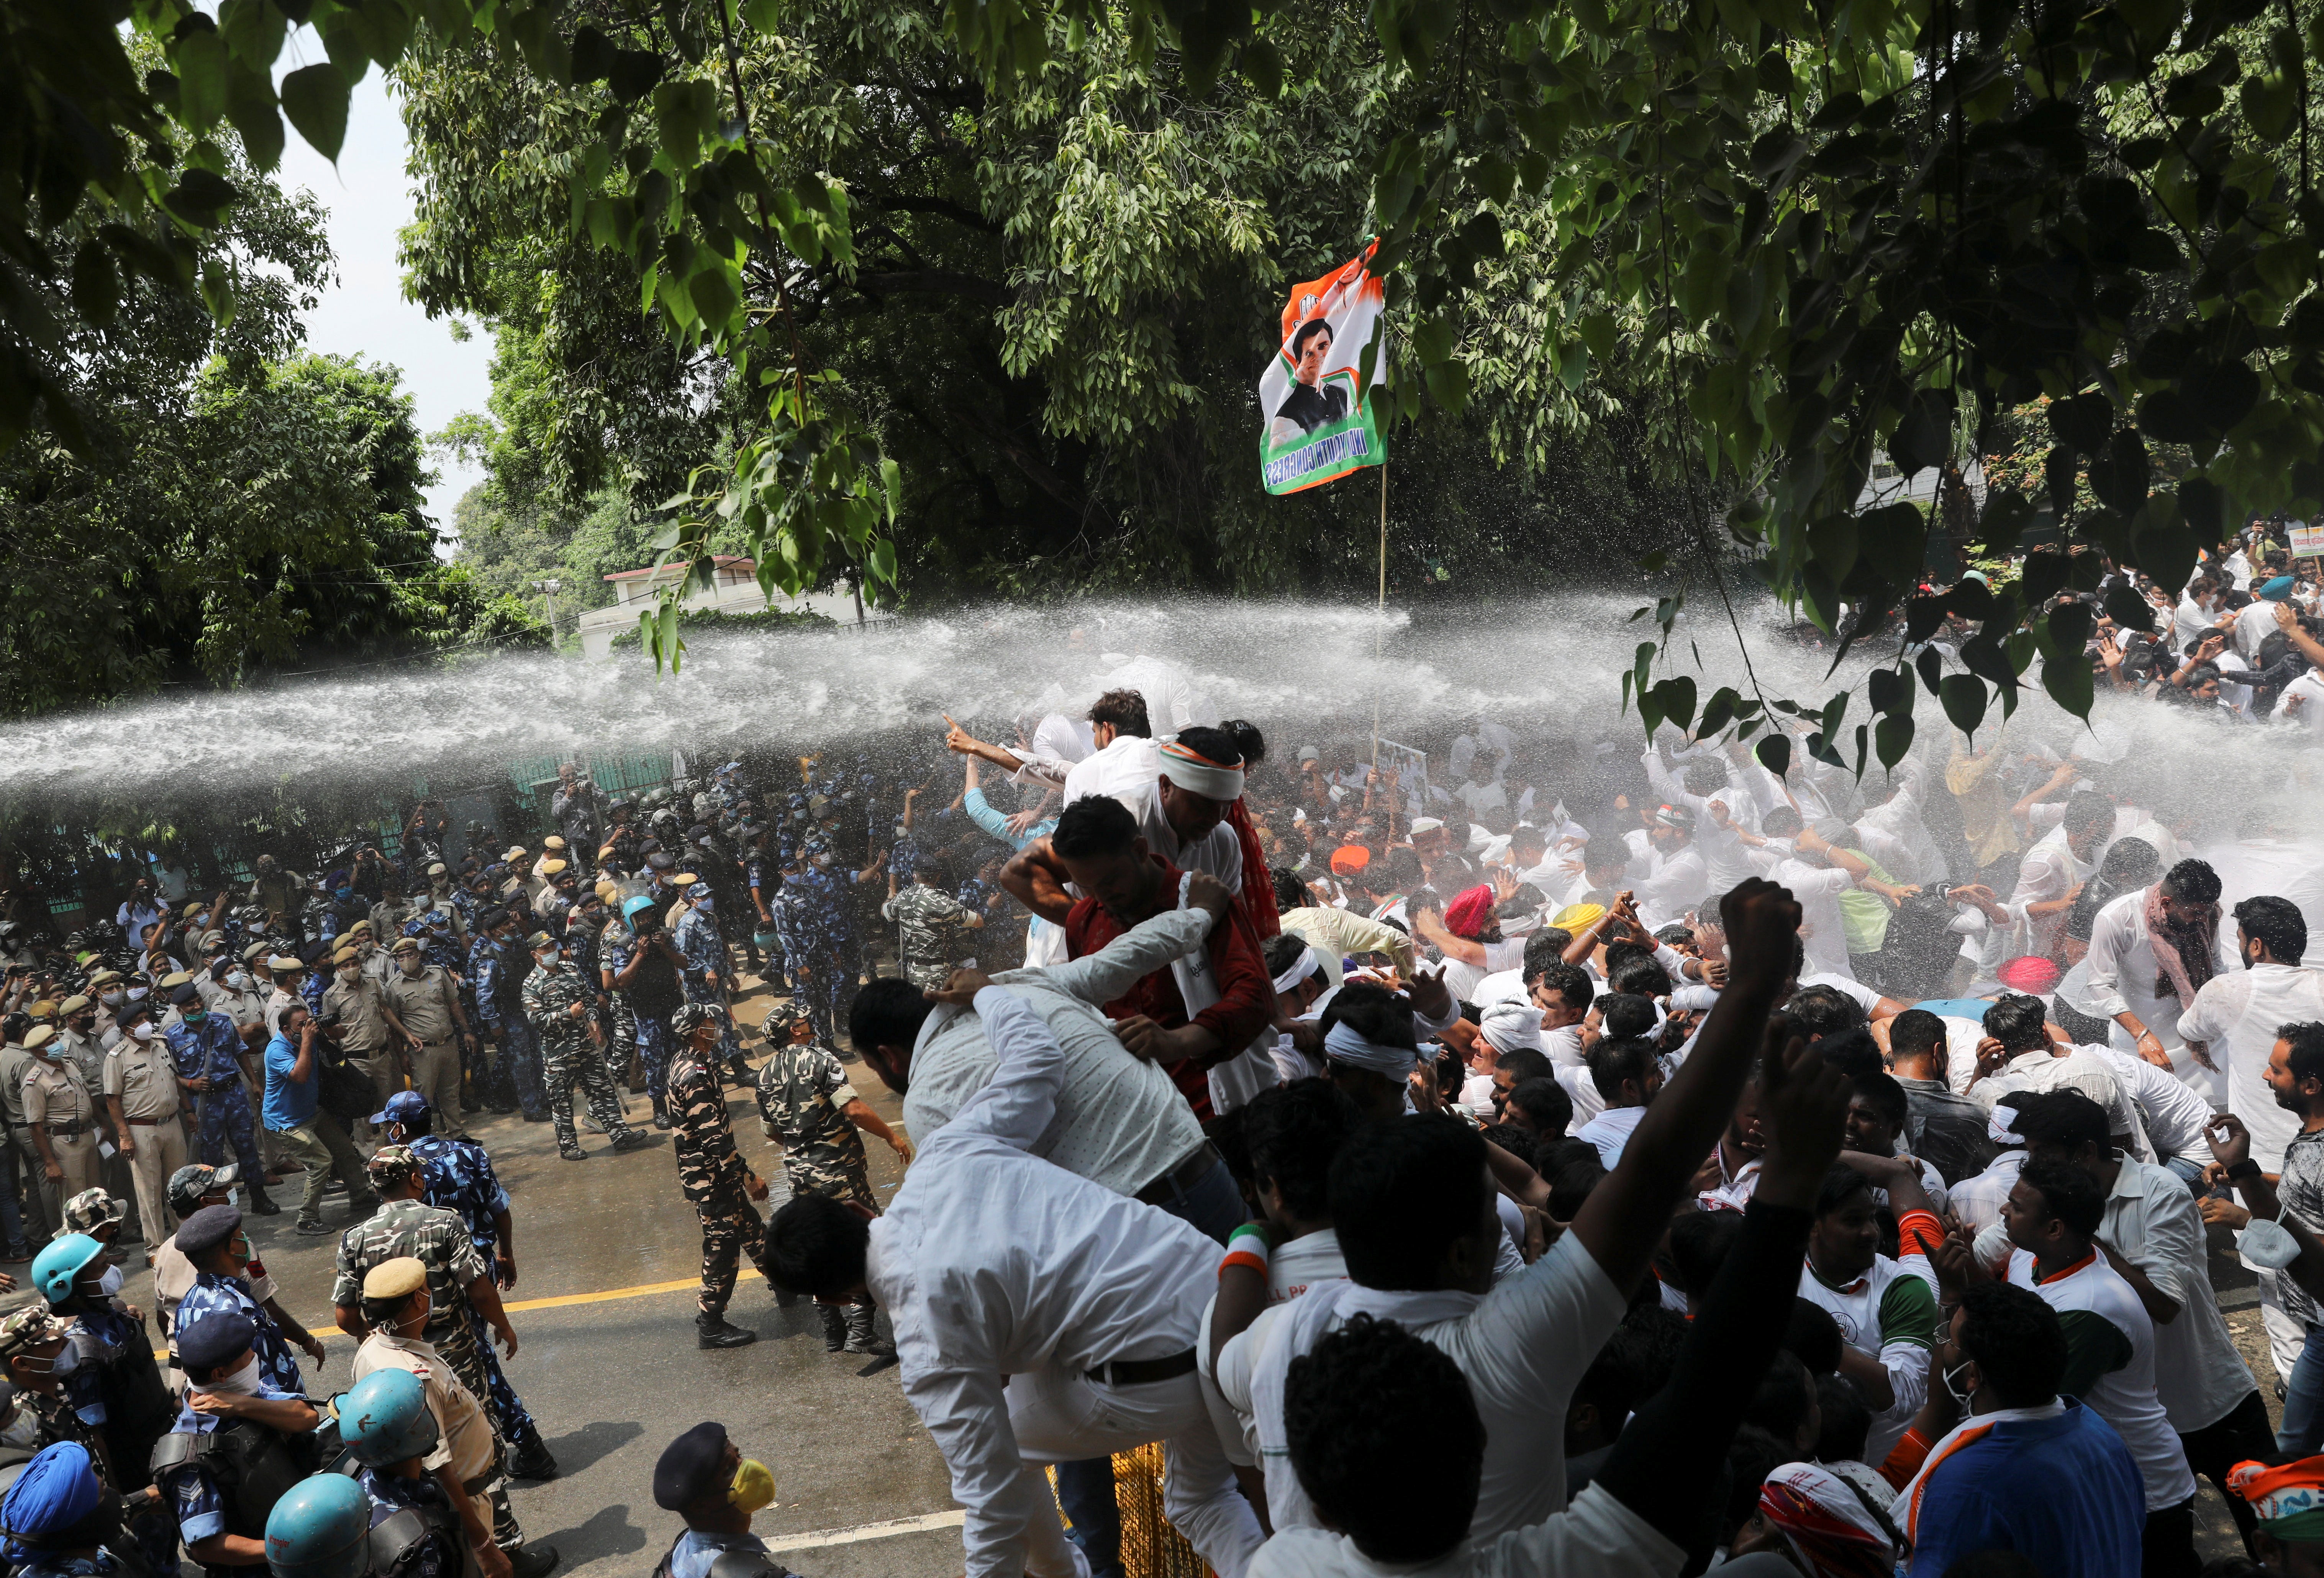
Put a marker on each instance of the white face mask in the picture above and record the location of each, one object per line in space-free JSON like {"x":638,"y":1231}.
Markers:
{"x":110,"y":1283}
{"x":143,"y":1032}
{"x":241,"y":1383}
{"x":238,"y":980}
{"x":2268,"y":1244}
{"x":63,"y":1362}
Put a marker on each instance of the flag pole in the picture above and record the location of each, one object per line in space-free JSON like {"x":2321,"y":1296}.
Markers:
{"x":1379,"y":621}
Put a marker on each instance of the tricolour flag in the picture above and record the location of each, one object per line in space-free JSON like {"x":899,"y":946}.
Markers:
{"x":1315,"y":423}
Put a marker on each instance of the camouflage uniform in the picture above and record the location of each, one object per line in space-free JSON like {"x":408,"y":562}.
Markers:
{"x":711,"y":1171}
{"x":801,"y":1091}
{"x":458,"y":1175}
{"x":697,"y":938}
{"x":439,"y":1240}
{"x":569,"y":1052}
{"x":932,"y":929}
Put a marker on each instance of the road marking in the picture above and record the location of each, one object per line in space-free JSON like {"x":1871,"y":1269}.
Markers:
{"x":643,"y":1289}
{"x":863,"y":1532}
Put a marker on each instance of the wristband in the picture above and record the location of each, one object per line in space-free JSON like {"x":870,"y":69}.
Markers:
{"x":1259,"y":1243}
{"x":2246,"y":1168}
{"x":1243,"y":1258}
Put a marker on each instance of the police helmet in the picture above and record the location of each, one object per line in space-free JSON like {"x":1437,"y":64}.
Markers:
{"x":383,"y":1418}
{"x":56,"y":1268}
{"x":321,"y":1528}
{"x":632,"y":908}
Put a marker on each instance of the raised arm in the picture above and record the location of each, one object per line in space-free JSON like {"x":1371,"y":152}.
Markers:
{"x":1153,"y":944}
{"x":1018,"y":1103}
{"x":1623,"y":1220}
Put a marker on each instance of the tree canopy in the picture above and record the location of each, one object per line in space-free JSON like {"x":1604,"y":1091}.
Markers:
{"x":1779,"y":233}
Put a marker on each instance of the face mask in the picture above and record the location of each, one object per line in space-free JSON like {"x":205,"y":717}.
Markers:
{"x":141,"y":1033}
{"x":238,"y":980}
{"x":138,"y":994}
{"x":66,"y":1360}
{"x":2268,"y":1244}
{"x":703,"y":902}
{"x":110,"y":999}
{"x":110,"y":1283}
{"x":1953,"y":1385}
{"x":241,"y":1383}
{"x":21,"y":1431}
{"x":343,"y":893}
{"x":546,"y":955}
{"x":754,"y":1487}
{"x":195,"y":1016}
{"x":822,"y":860}
{"x":412,"y":964}
{"x":349,"y":972}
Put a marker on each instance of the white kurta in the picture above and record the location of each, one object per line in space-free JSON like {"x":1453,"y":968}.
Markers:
{"x":2238,"y":1013}
{"x":2122,"y":974}
{"x":995,"y":1264}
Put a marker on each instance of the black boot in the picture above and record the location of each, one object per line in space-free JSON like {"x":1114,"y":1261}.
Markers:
{"x":260,"y":1204}
{"x":533,"y":1460}
{"x":835,"y":1326}
{"x":711,"y":1331}
{"x":863,"y":1336}
{"x":661,"y":1114}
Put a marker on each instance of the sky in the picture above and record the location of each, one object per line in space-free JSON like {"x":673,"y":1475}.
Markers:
{"x":368,"y":198}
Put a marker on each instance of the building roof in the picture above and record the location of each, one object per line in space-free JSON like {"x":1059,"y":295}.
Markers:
{"x":727,"y":561}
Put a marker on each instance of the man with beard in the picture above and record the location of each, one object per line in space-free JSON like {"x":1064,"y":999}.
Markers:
{"x":2151,"y":952}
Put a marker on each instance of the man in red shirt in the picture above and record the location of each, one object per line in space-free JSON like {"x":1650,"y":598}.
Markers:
{"x":1227,"y":987}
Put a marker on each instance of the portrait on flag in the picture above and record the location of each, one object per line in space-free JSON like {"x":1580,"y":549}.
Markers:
{"x":1315,"y":424}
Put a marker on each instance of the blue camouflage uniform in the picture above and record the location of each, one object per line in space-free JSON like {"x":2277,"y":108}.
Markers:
{"x":697,"y":937}
{"x":817,"y":936}
{"x":278,"y":1365}
{"x":211,"y":1050}
{"x":458,"y":1175}
{"x":190,"y":1490}
{"x":438,"y":1556}
{"x":489,"y":968}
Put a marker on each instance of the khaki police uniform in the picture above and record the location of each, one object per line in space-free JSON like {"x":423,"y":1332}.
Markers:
{"x":424,"y":1006}
{"x":57,"y":1100}
{"x":141,"y":1077}
{"x":41,"y":1201}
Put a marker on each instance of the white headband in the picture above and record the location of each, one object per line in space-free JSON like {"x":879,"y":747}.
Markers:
{"x":1349,"y":1047}
{"x":1199,"y":775}
{"x":1511,"y":1025}
{"x":1298,"y":970}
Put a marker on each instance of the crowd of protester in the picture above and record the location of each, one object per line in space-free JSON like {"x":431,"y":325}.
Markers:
{"x":1572,"y":1157}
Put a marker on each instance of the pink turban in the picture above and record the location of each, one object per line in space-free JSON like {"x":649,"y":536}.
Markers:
{"x":1466,"y":916}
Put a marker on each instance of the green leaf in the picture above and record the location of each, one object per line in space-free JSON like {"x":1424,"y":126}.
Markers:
{"x":384,"y":28}
{"x":1894,"y":541}
{"x":96,"y":284}
{"x":252,"y":30}
{"x":1892,"y":738}
{"x":198,"y":57}
{"x":2067,"y":677}
{"x":1674,"y":699}
{"x":250,"y":106}
{"x":1774,"y":752}
{"x":891,"y":484}
{"x":1964,"y":700}
{"x":315,"y":98}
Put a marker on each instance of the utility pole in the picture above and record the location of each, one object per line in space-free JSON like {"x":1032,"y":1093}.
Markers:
{"x":548,"y":590}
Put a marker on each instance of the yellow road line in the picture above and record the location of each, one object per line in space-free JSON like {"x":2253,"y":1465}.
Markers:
{"x":327,"y":1329}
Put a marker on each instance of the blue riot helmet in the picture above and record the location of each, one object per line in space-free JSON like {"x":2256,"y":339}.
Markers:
{"x":383,"y":1418}
{"x":56,"y":1268}
{"x":321,"y":1528}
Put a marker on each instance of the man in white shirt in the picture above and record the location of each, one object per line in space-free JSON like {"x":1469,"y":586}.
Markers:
{"x":2049,"y":1231}
{"x":2236,"y":1014}
{"x":1678,"y":881}
{"x":1399,"y":1193}
{"x":1627,"y":1071}
{"x":1121,"y":1122}
{"x":2182,"y":911}
{"x":2153,"y":1236}
{"x":2059,"y":863}
{"x":2017,"y":1054}
{"x":1039,"y":1317}
{"x":1817,"y":872}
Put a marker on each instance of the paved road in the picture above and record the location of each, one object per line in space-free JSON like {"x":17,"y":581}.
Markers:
{"x":608,"y":1257}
